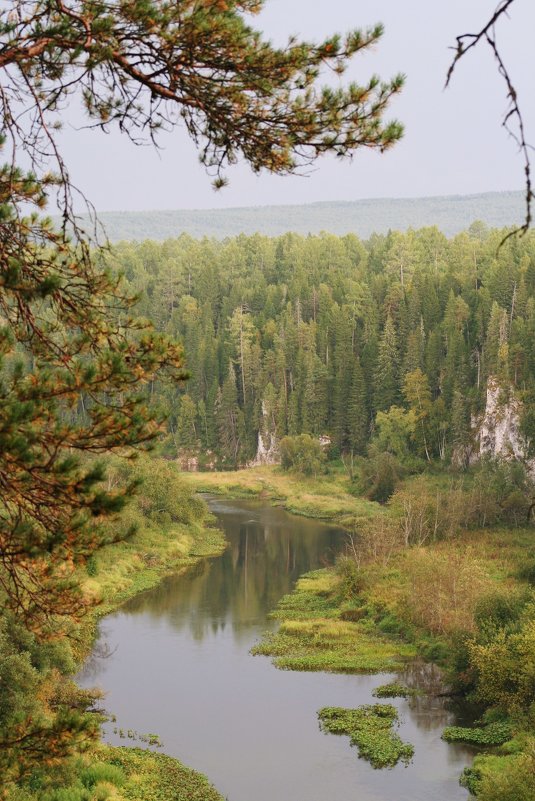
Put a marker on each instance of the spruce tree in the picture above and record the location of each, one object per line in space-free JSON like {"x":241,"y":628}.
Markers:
{"x":357,"y":411}
{"x":386,"y":378}
{"x":230,"y":421}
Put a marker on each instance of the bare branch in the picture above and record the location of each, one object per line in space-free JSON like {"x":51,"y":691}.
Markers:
{"x":513,"y":120}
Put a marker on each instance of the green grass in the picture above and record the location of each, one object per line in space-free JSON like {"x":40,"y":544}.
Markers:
{"x":313,"y":636}
{"x":326,"y":497}
{"x":371,"y":729}
{"x":122,"y":774}
{"x":156,"y":777}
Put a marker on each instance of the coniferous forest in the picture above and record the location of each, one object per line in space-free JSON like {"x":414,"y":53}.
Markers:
{"x":394,"y":337}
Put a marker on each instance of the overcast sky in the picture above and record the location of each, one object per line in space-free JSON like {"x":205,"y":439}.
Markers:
{"x":453,"y":143}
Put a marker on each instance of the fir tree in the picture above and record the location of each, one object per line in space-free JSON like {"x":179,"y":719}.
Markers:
{"x":357,"y":411}
{"x":386,"y":376}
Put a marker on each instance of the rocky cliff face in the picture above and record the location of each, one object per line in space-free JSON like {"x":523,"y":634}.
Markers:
{"x":267,"y":451}
{"x":498,"y":433}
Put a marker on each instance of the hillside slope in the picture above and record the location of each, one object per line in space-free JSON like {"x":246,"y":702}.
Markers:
{"x":451,"y":214}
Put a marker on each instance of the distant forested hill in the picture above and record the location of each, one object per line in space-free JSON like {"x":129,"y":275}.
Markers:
{"x":451,"y":214}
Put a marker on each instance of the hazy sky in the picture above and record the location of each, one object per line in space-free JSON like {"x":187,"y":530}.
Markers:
{"x":453,"y":144}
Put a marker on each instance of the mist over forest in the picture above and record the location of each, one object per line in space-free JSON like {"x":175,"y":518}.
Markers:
{"x":451,"y":214}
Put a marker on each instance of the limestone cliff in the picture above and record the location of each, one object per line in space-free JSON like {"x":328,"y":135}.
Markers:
{"x":267,"y":451}
{"x":497,"y":431}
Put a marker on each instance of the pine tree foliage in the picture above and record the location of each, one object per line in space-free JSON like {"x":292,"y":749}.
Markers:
{"x":144,"y":64}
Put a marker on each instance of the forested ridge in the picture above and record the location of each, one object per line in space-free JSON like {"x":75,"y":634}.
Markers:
{"x":451,"y":213}
{"x":336,"y":336}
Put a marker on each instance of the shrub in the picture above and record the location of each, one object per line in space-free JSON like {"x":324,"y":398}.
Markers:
{"x":91,"y":566}
{"x":380,"y":474}
{"x":498,"y":610}
{"x":377,"y":542}
{"x":444,"y":588}
{"x":527,"y":572}
{"x":428,"y":516}
{"x":352,"y":580}
{"x":102,"y":772}
{"x":514,"y":782}
{"x":504,"y":667}
{"x":303,"y":454}
{"x":503,"y":491}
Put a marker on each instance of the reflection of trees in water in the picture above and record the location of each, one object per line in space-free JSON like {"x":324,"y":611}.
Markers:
{"x":264,"y":558}
{"x":433,"y":707}
{"x":92,"y":666}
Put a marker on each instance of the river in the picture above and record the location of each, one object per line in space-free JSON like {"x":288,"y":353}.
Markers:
{"x":175,"y":661}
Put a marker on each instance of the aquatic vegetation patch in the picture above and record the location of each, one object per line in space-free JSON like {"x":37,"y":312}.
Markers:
{"x":331,"y":645}
{"x":394,"y":690}
{"x":312,"y":636}
{"x":493,"y":734}
{"x":371,"y":729}
{"x":119,"y":774}
{"x":314,"y":597}
{"x":156,"y":777}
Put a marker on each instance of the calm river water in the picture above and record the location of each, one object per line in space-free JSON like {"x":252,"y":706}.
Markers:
{"x":176,"y":661}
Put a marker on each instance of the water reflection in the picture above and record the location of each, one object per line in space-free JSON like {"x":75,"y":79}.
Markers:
{"x":267,"y":551}
{"x":178,"y":664}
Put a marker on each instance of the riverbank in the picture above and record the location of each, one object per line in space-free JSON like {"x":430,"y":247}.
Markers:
{"x":456,"y":595}
{"x":325,"y":497}
{"x":164,"y":530}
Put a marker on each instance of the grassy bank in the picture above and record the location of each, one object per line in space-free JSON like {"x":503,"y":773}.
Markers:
{"x":124,"y":774}
{"x":326,"y":497}
{"x":320,"y":630}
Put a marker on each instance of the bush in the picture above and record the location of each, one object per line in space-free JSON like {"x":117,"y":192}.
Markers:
{"x":377,"y":542}
{"x":504,"y":667}
{"x":380,"y":474}
{"x":514,"y":782}
{"x":91,"y":566}
{"x":527,"y":572}
{"x":352,"y":580}
{"x":102,"y":772}
{"x":303,"y":454}
{"x":444,"y":588}
{"x":503,"y":492}
{"x":498,"y":610}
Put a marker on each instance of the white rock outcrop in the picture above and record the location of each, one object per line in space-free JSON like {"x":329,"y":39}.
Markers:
{"x":498,"y":433}
{"x":267,"y":451}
